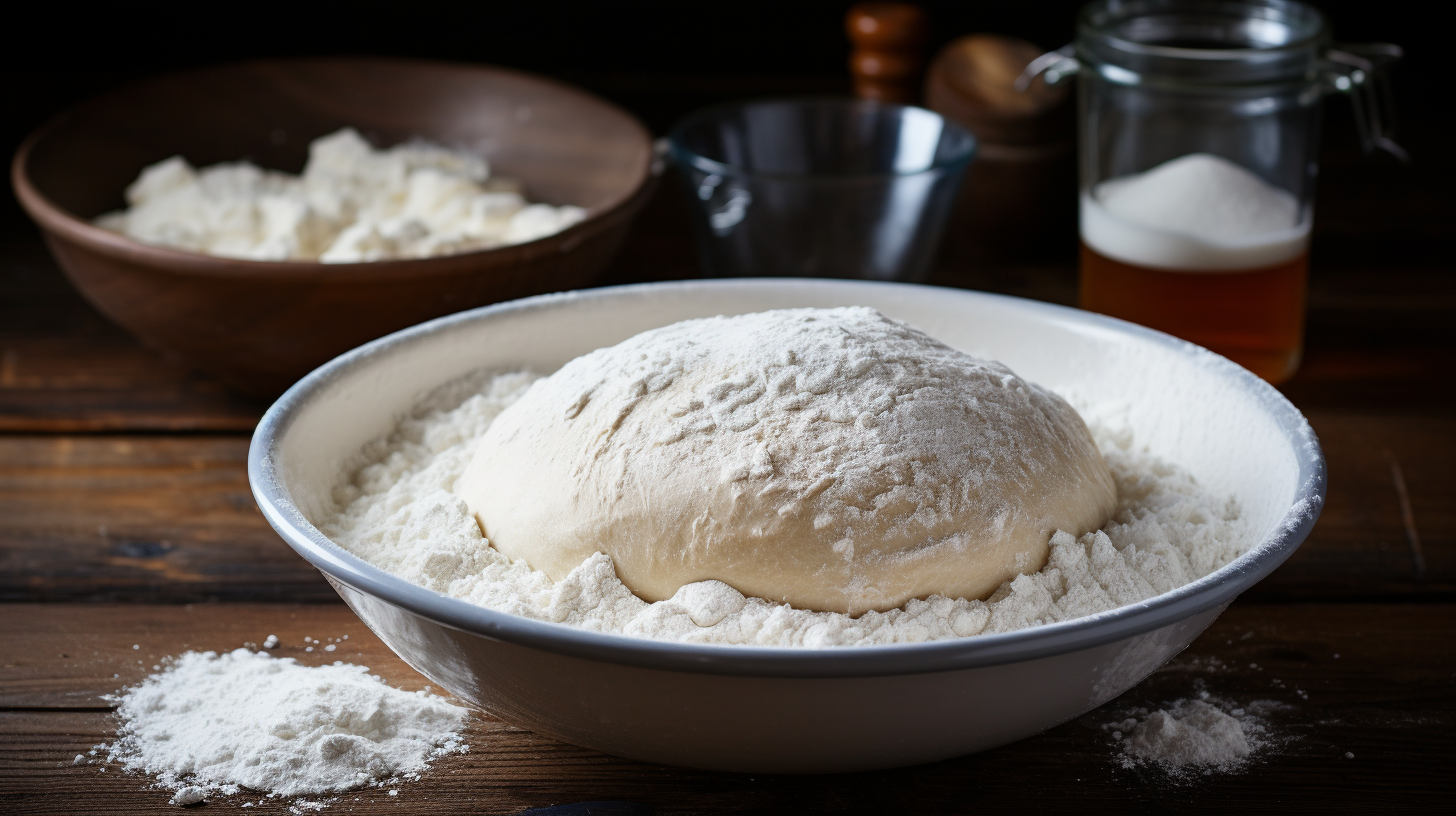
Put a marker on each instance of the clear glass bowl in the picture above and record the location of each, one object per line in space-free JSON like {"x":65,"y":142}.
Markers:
{"x":829,"y":187}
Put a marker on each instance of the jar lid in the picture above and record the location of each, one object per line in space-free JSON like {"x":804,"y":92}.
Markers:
{"x":1201,"y":42}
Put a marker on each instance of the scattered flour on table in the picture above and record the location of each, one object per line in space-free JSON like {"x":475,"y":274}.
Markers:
{"x":190,"y":795}
{"x":1193,"y":737}
{"x":398,"y":513}
{"x":222,"y":722}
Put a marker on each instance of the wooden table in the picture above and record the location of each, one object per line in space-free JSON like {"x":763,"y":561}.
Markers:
{"x":129,"y":534}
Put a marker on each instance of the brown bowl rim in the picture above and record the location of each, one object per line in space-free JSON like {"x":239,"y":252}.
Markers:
{"x":53,"y":218}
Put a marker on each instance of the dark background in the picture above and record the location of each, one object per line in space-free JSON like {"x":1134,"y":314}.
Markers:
{"x":659,"y":60}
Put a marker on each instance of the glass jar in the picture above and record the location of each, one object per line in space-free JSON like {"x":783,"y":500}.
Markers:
{"x":1198,"y":142}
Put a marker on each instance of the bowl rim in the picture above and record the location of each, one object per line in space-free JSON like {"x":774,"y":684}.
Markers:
{"x":53,"y":218}
{"x":1214,"y":590}
{"x":686,"y":156}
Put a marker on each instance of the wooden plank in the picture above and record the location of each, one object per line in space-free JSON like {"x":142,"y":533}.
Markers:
{"x":1388,"y":699}
{"x":1407,"y":379}
{"x":1386,"y":531}
{"x":70,"y":655}
{"x":161,"y":518}
{"x":170,"y":519}
{"x":63,"y":367}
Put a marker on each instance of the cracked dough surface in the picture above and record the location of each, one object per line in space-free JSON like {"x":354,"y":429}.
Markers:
{"x":832,"y":459}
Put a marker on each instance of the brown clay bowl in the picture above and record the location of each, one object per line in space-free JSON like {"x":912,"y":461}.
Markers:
{"x":259,"y":326}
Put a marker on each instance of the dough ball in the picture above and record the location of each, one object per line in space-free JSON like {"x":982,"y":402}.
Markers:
{"x":832,"y":459}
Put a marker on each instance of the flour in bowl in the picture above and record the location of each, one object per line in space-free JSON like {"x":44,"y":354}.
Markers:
{"x":353,"y":203}
{"x":399,"y":513}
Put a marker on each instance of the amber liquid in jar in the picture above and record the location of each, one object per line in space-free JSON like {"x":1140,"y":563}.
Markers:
{"x":1254,"y":317}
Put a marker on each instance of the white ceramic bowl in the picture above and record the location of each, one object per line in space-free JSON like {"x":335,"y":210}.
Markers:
{"x":775,"y":710}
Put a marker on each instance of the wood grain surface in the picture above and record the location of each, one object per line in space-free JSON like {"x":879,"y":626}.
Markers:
{"x":170,"y":519}
{"x":126,"y":520}
{"x":64,"y":368}
{"x":1334,"y":679}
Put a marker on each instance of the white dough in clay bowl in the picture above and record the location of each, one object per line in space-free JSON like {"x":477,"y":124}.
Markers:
{"x":832,"y":459}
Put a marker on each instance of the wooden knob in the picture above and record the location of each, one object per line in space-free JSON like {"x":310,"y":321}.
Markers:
{"x":889,"y":39}
{"x":972,"y":82}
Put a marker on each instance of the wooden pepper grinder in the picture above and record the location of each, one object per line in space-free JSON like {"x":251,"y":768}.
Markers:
{"x":889,"y":39}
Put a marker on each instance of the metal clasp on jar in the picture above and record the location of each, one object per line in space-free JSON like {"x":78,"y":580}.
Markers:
{"x":1361,"y":71}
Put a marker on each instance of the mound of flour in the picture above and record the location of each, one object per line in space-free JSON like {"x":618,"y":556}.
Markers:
{"x":1195,"y":212}
{"x":1192,"y":737}
{"x":398,"y":513}
{"x":1203,"y":195}
{"x":220,"y":722}
{"x":353,"y":203}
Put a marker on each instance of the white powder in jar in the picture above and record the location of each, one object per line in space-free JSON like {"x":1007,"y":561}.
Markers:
{"x":221,"y":722}
{"x":398,"y":513}
{"x":1195,"y":213}
{"x":353,"y":203}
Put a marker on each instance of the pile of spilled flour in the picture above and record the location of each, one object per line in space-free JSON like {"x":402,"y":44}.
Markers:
{"x":399,"y":513}
{"x":220,"y":723}
{"x":1190,"y":737}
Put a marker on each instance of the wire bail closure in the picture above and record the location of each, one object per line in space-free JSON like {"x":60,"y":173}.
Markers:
{"x":1363,"y":72}
{"x":1360,"y":71}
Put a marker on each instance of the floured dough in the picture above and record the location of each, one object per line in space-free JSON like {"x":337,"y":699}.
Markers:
{"x":832,"y":459}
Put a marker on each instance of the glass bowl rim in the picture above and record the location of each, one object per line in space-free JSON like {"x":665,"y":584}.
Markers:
{"x":682,"y":154}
